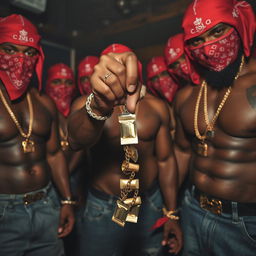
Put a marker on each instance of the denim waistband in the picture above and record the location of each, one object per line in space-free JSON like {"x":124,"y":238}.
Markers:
{"x":5,"y":197}
{"x":104,"y":196}
{"x":227,"y":206}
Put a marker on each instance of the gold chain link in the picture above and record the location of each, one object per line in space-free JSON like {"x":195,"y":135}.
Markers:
{"x":15,"y":120}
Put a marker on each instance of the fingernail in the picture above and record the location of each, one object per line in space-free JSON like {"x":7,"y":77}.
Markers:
{"x":59,"y":230}
{"x":131,"y":88}
{"x":163,"y":243}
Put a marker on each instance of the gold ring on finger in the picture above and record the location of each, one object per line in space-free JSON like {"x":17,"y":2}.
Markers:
{"x":107,"y":76}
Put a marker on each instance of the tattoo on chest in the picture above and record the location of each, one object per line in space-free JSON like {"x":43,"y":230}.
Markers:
{"x":251,"y":96}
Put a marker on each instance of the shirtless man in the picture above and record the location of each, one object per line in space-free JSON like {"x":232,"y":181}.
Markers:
{"x":30,"y":222}
{"x":216,"y":130}
{"x":156,"y":160}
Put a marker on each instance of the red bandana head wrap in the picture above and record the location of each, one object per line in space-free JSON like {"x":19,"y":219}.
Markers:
{"x":85,"y":68}
{"x":16,"y":71}
{"x":202,"y":15}
{"x":163,"y":84}
{"x":174,"y":49}
{"x":120,"y":48}
{"x":61,"y":93}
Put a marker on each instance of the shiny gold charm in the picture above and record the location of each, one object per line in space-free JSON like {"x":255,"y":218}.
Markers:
{"x":202,"y":148}
{"x":28,"y":146}
{"x":128,"y":128}
{"x":129,"y":167}
{"x":120,"y":213}
{"x":134,"y":184}
{"x":133,"y":214}
{"x":133,"y":153}
{"x":64,"y":145}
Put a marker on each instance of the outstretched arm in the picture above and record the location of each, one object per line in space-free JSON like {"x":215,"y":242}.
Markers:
{"x":114,"y":82}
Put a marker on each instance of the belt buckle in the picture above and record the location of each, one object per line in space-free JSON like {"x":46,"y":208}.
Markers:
{"x":30,"y":198}
{"x":211,"y":205}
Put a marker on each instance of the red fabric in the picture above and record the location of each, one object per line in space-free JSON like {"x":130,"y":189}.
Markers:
{"x":85,"y":68}
{"x":163,"y":84}
{"x":174,"y":49}
{"x":120,"y":48}
{"x":159,"y":223}
{"x":218,"y":54}
{"x":156,"y":66}
{"x":16,"y":29}
{"x":61,"y":93}
{"x":202,"y":15}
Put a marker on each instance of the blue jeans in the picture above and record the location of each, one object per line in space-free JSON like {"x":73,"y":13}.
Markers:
{"x":206,"y":233}
{"x":99,"y":235}
{"x":30,"y":230}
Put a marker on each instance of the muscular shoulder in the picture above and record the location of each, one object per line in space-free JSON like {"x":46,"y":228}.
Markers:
{"x":157,"y":105}
{"x":45,"y":100}
{"x":182,"y":95}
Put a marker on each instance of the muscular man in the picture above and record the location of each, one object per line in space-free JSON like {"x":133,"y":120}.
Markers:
{"x":156,"y":160}
{"x":30,"y":222}
{"x":177,"y":61}
{"x":85,"y":70}
{"x":216,"y":130}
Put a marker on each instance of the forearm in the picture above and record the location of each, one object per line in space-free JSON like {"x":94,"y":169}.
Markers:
{"x":59,"y":171}
{"x":183,"y":158}
{"x":168,"y":180}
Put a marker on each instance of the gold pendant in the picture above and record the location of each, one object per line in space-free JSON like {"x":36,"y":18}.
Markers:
{"x":202,"y":148}
{"x":133,"y":214}
{"x":28,"y":146}
{"x":120,"y":213}
{"x":133,"y":153}
{"x":64,"y":145}
{"x":128,"y":128}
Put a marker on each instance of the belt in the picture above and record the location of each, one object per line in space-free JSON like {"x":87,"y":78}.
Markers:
{"x":33,"y":197}
{"x":219,"y":206}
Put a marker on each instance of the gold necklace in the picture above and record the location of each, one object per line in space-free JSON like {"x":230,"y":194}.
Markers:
{"x":27,"y":144}
{"x":210,"y":125}
{"x":202,"y":146}
{"x":64,"y":139}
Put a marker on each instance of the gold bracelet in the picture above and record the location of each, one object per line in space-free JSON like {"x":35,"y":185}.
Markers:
{"x":68,"y":201}
{"x":171,"y":214}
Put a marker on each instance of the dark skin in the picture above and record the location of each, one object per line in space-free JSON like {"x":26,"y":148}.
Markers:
{"x":228,"y":171}
{"x":19,"y":172}
{"x":156,"y":156}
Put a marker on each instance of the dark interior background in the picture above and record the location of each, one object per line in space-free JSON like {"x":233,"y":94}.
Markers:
{"x":73,"y":29}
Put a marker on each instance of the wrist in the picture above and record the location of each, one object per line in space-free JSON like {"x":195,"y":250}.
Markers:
{"x":171,"y":214}
{"x":68,"y":201}
{"x":95,"y":111}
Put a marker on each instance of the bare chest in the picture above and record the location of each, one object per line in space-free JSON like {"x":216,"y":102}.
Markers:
{"x":20,"y":116}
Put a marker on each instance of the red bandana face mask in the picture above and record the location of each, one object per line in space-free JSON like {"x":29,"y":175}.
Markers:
{"x":166,"y":87}
{"x":16,"y":72}
{"x":181,"y":71}
{"x":62,"y":95}
{"x":218,"y":54}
